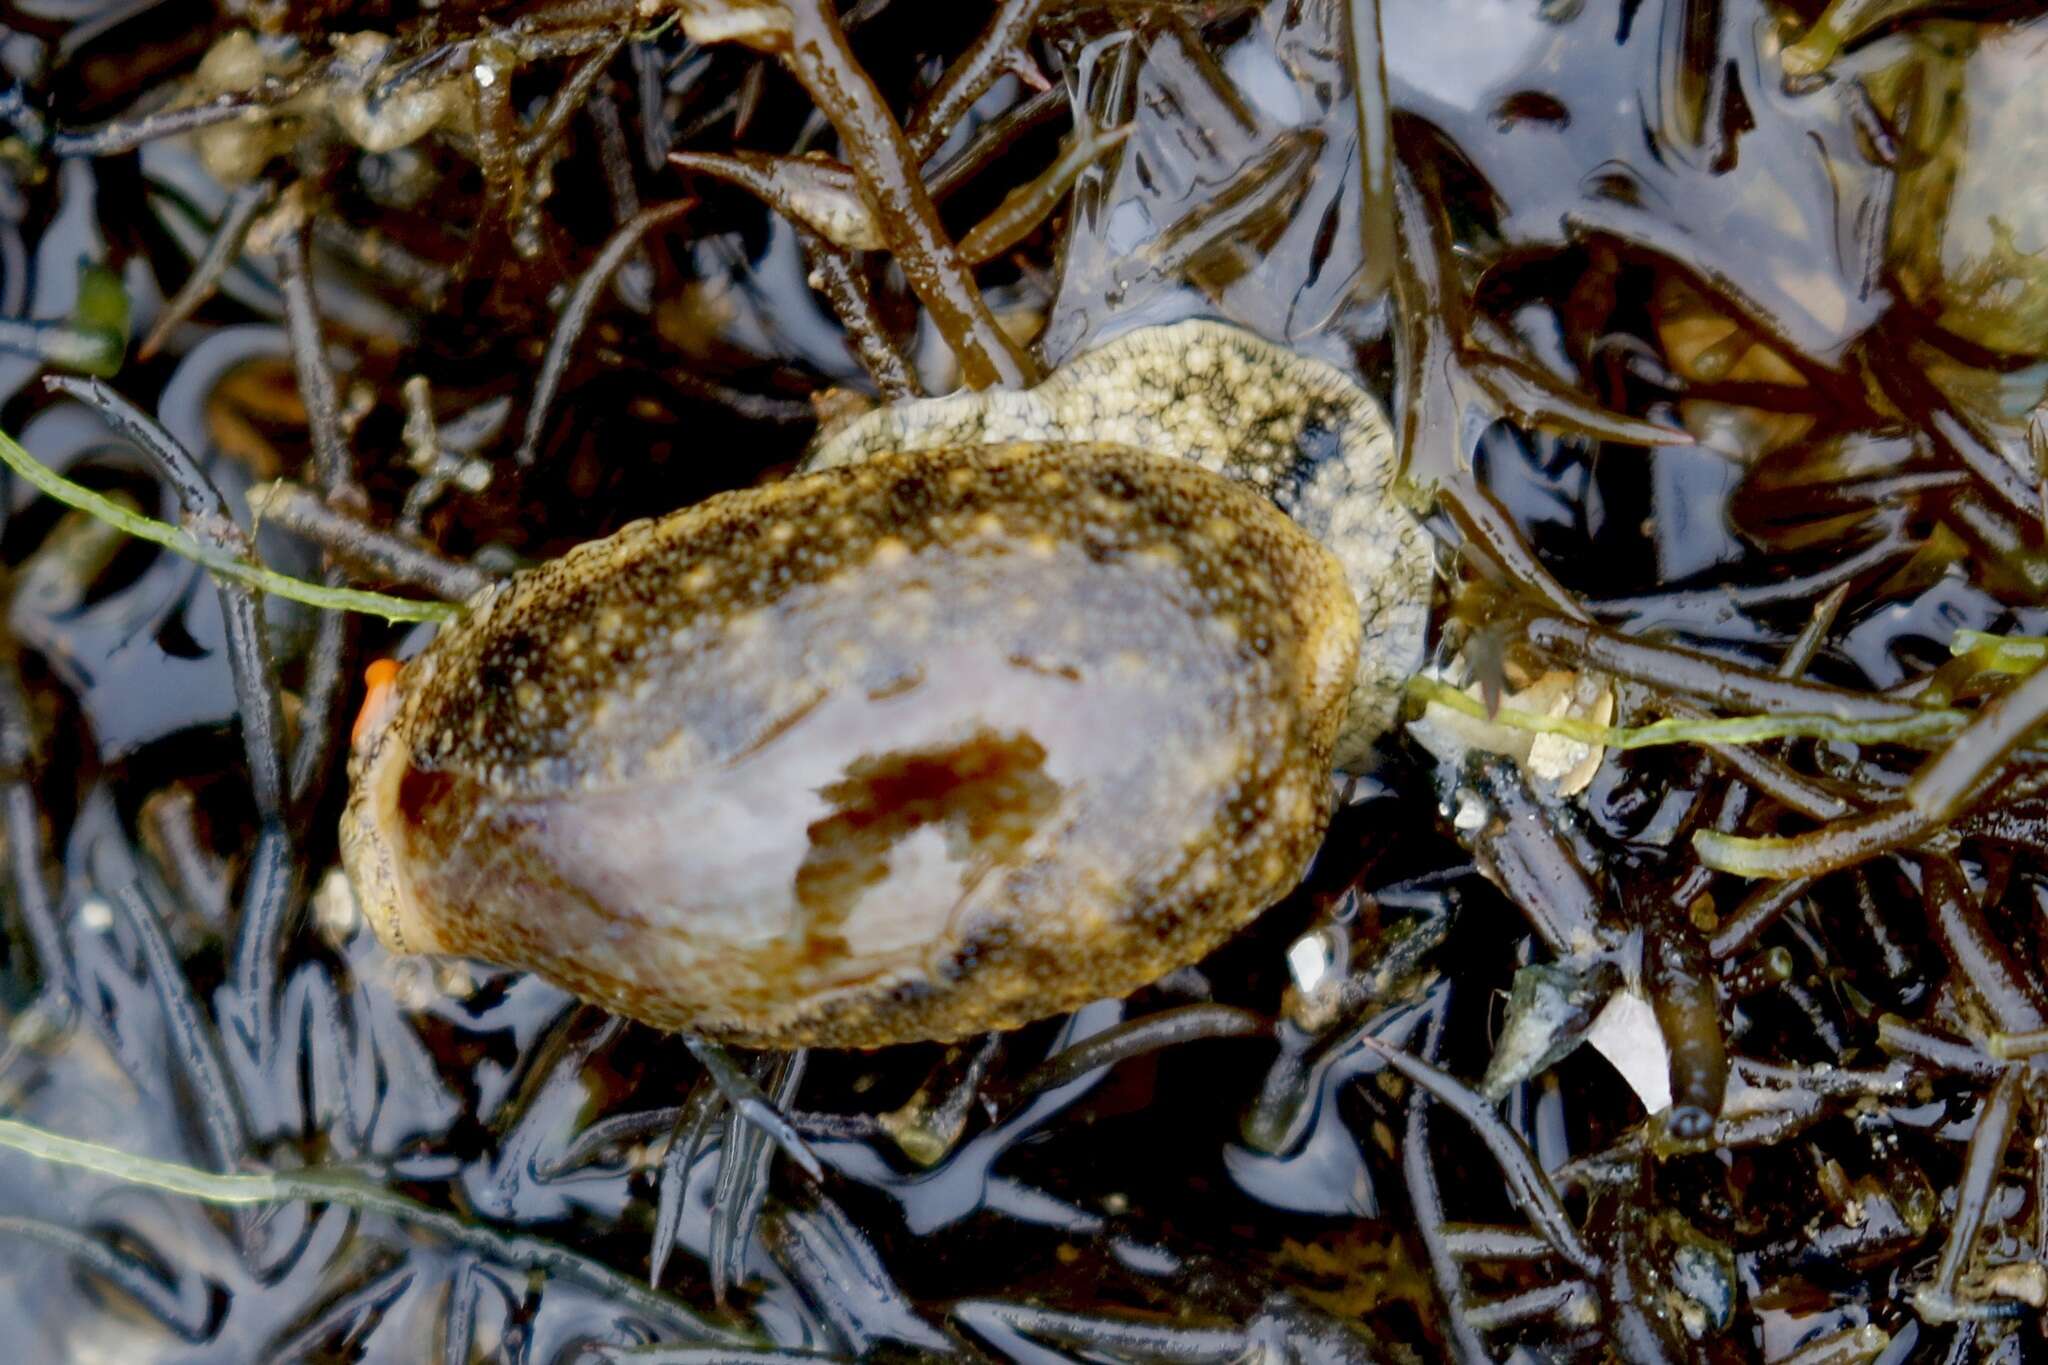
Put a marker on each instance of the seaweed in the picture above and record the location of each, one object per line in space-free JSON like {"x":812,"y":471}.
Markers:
{"x":1718,"y":411}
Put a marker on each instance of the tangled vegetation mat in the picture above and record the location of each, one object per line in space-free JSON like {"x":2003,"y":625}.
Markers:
{"x":1670,"y":986}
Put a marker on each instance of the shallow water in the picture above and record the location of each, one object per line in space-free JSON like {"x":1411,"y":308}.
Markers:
{"x":1615,"y":207}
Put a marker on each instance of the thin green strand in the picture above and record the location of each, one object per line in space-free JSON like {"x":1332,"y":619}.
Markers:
{"x":349,"y":1190}
{"x":1928,"y":725}
{"x":181,"y":542}
{"x":138,"y":1170}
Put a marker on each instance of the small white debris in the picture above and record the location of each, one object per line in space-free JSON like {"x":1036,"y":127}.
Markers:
{"x":1471,"y":812}
{"x":1309,"y":960}
{"x":454,"y":979}
{"x":95,"y":914}
{"x":1563,"y":767}
{"x":1569,"y":764}
{"x":411,"y":980}
{"x":1626,"y":1034}
{"x":335,"y":912}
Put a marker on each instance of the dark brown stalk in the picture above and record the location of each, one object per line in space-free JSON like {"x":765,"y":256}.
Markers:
{"x":690,"y":1118}
{"x":1376,"y":220}
{"x":379,"y":255}
{"x":1527,"y":1185}
{"x":1491,"y":1242}
{"x":1030,"y":204}
{"x":327,"y":671}
{"x":21,"y":817}
{"x":1937,"y":1300}
{"x":577,"y":16}
{"x":1903,"y":1039}
{"x":223,"y":249}
{"x":991,"y":139}
{"x":1758,"y":912}
{"x":1956,"y":776}
{"x":1837,"y":572}
{"x":1793,"y":790}
{"x":821,"y":196}
{"x":993,"y":55}
{"x":183,"y":1307}
{"x":1733,"y":686}
{"x":246,"y":1008}
{"x":742,"y":1187}
{"x":615,"y":157}
{"x":752,"y":1104}
{"x":1491,"y":534}
{"x":1985,"y":961}
{"x":1534,"y":397}
{"x":497,"y":147}
{"x":606,"y":1136}
{"x":333,"y":467}
{"x":1954,"y":435}
{"x":334,"y":473}
{"x":576,"y":315}
{"x":364,"y":1301}
{"x":1524,"y":855}
{"x":563,"y":105}
{"x":876,"y":149}
{"x":193,"y":1046}
{"x":2004,"y":541}
{"x":1215,"y":241}
{"x":121,"y":136}
{"x":836,"y":273}
{"x":1531,"y":1305}
{"x":1975,"y":758}
{"x":1136,"y":1037}
{"x":458,"y":1326}
{"x":1425,"y":1199}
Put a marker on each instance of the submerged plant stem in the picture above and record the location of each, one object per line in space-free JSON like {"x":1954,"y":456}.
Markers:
{"x":1527,"y":1184}
{"x":1374,"y":111}
{"x":1025,"y":207}
{"x":1756,"y":914}
{"x":994,"y":54}
{"x":1943,"y":787}
{"x":1954,"y":777}
{"x":223,"y":249}
{"x":836,"y":273}
{"x":211,"y":523}
{"x":334,"y":1187}
{"x":1706,"y":677}
{"x":576,"y":315}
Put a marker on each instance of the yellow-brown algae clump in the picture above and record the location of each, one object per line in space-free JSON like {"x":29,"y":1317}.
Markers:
{"x":1292,"y":427}
{"x":945,"y":741}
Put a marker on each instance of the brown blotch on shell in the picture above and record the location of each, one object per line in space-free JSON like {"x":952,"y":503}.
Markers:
{"x":964,"y":753}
